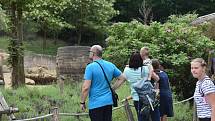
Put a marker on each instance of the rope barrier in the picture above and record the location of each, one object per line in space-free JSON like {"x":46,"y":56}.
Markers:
{"x":116,"y":108}
{"x":86,"y":114}
{"x":73,"y":114}
{"x":35,"y":118}
{"x":183,"y":100}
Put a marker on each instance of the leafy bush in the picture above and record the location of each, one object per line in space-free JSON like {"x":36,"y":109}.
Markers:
{"x":174,"y":43}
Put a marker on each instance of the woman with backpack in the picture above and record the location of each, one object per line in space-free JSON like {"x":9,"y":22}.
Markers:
{"x":166,"y":103}
{"x":204,"y":94}
{"x":134,"y":72}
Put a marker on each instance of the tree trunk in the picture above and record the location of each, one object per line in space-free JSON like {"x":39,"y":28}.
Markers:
{"x":17,"y":60}
{"x":79,"y":37}
{"x":21,"y":73}
{"x":44,"y":37}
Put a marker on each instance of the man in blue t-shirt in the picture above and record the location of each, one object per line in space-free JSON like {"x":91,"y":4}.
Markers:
{"x":96,"y":86}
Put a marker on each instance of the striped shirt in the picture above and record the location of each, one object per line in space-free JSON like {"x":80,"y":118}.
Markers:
{"x":203,"y":87}
{"x":147,"y":62}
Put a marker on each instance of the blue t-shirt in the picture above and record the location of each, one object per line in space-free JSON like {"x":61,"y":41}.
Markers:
{"x":134,"y":75}
{"x":99,"y":93}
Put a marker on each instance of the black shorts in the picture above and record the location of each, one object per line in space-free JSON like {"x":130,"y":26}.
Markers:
{"x":101,"y":114}
{"x":204,"y":119}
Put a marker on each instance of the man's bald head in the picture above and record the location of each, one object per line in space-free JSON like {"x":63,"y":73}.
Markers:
{"x":97,"y":49}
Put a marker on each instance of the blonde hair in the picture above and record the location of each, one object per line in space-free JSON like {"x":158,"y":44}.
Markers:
{"x":200,"y":60}
{"x":144,"y":49}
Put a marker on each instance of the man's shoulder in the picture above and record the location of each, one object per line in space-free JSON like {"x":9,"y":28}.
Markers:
{"x":91,"y":65}
{"x":108,"y":62}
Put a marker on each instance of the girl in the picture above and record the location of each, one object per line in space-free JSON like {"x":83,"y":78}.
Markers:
{"x":204,"y":94}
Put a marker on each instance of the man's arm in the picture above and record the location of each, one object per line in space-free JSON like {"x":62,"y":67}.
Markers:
{"x":84,"y":93}
{"x":120,"y":80}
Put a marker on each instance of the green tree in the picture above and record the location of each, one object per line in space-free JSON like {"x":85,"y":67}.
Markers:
{"x":89,"y":15}
{"x":161,"y":9}
{"x":46,"y":11}
{"x":15,"y":8}
{"x":3,"y":19}
{"x":174,"y":43}
{"x":47,"y":14}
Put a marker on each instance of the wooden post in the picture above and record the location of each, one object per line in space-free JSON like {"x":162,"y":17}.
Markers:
{"x":195,"y":118}
{"x":2,"y":83}
{"x":128,"y":111}
{"x":61,"y":80}
{"x":209,"y":67}
{"x":55,"y":114}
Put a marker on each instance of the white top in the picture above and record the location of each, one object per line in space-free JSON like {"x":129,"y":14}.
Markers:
{"x":203,"y":87}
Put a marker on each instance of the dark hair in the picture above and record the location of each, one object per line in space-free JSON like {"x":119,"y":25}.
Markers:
{"x":156,"y":64}
{"x":135,"y":60}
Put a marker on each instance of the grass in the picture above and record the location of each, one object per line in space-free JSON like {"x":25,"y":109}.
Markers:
{"x":4,"y":40}
{"x":35,"y":45}
{"x":34,"y":100}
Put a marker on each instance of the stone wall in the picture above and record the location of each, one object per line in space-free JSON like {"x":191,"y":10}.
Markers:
{"x":33,"y":60}
{"x":71,"y":61}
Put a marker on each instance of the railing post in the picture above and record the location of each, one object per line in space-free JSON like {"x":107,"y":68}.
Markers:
{"x":195,"y":117}
{"x":128,"y":111}
{"x":55,"y":114}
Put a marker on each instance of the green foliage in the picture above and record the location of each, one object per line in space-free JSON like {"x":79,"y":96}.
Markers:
{"x":15,"y":51}
{"x":47,"y":12}
{"x":3,"y":20}
{"x":4,"y":42}
{"x":182,"y":112}
{"x":174,"y":43}
{"x":89,"y":17}
{"x":89,"y":13}
{"x":39,"y":100}
{"x":35,"y":46}
{"x":161,"y":9}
